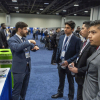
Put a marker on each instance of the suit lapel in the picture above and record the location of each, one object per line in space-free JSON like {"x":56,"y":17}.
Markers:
{"x":94,"y":55}
{"x":84,"y":49}
{"x":18,"y":39}
{"x":62,"y":41}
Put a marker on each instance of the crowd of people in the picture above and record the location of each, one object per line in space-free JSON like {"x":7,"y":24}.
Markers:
{"x":77,"y":54}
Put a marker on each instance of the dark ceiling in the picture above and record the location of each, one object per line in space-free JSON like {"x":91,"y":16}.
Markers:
{"x":54,"y":7}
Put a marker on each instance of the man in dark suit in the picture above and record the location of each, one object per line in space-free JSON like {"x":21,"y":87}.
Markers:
{"x":3,"y":36}
{"x":21,"y":62}
{"x":80,"y":63}
{"x":67,"y":51}
{"x":91,"y":86}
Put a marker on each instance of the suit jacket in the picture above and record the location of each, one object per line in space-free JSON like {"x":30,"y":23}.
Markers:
{"x":3,"y":40}
{"x":17,"y":47}
{"x":81,"y":63}
{"x":72,"y":51}
{"x":91,"y":87}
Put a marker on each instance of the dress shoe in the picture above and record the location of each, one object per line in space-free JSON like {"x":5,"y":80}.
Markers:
{"x":57,"y":95}
{"x":53,"y":63}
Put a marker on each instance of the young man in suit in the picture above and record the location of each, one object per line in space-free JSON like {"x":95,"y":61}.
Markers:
{"x":80,"y":63}
{"x":21,"y":62}
{"x":67,"y":51}
{"x":3,"y":36}
{"x":91,"y":86}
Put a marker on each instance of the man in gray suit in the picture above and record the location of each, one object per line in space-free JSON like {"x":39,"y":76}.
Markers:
{"x":21,"y":62}
{"x":91,"y":87}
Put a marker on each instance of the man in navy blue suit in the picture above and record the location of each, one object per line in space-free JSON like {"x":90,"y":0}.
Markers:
{"x":21,"y":62}
{"x":67,"y":51}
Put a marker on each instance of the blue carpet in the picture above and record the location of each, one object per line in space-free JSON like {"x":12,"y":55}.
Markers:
{"x":44,"y":78}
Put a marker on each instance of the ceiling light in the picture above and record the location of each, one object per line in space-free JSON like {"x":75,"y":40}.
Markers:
{"x":16,"y":7}
{"x":57,"y":13}
{"x":76,"y":5}
{"x":14,"y":0}
{"x":64,"y":10}
{"x":86,"y":11}
{"x":75,"y":14}
{"x":41,"y":8}
{"x":46,"y":3}
{"x":17,"y":11}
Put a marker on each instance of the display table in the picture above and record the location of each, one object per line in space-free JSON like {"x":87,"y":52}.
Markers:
{"x":6,"y":60}
{"x":5,"y":85}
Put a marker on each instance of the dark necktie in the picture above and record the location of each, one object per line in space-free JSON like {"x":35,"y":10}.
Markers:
{"x":23,"y":39}
{"x":84,"y":43}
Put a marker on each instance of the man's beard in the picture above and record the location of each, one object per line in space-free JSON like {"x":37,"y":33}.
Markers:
{"x":22,"y":34}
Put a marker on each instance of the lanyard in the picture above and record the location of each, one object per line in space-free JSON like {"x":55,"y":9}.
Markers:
{"x":64,"y":46}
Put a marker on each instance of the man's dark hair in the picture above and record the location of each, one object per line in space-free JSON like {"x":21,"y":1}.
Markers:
{"x":20,"y":25}
{"x":78,"y":26}
{"x":2,"y":24}
{"x":57,"y":29}
{"x":87,"y":23}
{"x":71,"y":24}
{"x":95,"y":23}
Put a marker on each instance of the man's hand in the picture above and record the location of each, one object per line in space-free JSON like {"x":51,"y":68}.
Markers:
{"x":35,"y":48}
{"x":32,"y":41}
{"x":3,"y":47}
{"x":73,"y":69}
{"x":65,"y":64}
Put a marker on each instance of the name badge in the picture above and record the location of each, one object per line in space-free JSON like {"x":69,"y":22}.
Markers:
{"x":63,"y":54}
{"x":27,"y":54}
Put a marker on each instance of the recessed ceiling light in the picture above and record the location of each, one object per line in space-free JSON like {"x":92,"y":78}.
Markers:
{"x":64,"y":10}
{"x":14,"y":0}
{"x":41,"y":8}
{"x":86,"y":11}
{"x":17,"y":11}
{"x":46,"y":3}
{"x":75,"y":14}
{"x":76,"y":5}
{"x":16,"y":7}
{"x":57,"y":13}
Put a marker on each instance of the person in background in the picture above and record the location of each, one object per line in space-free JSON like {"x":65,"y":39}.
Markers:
{"x":76,"y":33}
{"x":54,"y":46}
{"x":34,"y":33}
{"x":46,"y":32}
{"x":79,"y":65}
{"x":8,"y":33}
{"x":3,"y":36}
{"x":41,"y":33}
{"x":21,"y":62}
{"x":67,"y":51}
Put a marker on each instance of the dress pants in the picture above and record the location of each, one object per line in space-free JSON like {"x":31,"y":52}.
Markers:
{"x":62,"y":73}
{"x":53,"y":60}
{"x":21,"y":81}
{"x":79,"y":92}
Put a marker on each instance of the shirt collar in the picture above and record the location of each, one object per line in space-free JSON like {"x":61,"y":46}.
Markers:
{"x":19,"y":36}
{"x":67,"y":36}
